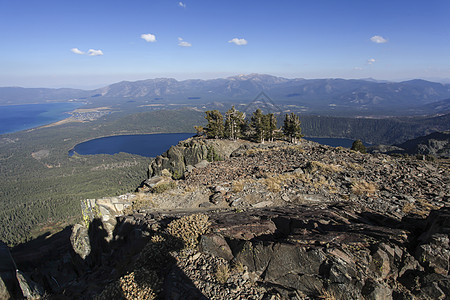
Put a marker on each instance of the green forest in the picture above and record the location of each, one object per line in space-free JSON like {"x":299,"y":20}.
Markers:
{"x":41,"y":186}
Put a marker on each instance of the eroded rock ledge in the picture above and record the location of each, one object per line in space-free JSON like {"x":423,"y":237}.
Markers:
{"x":302,"y":251}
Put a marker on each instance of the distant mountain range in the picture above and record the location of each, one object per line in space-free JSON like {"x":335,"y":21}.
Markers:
{"x":311,"y":95}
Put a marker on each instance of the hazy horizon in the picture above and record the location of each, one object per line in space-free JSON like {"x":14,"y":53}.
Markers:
{"x":91,"y":86}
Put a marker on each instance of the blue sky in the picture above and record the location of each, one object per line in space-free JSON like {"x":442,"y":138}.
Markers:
{"x":89,"y":44}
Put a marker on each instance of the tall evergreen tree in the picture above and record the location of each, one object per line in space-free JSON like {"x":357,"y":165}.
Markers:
{"x":270,"y":122}
{"x":215,"y":128}
{"x":291,"y":127}
{"x":258,"y":126}
{"x":234,"y":121}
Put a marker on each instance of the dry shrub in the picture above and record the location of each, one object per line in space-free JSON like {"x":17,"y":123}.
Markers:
{"x":239,"y":267}
{"x":140,"y":284}
{"x":326,"y":295}
{"x":237,"y":186}
{"x":362,"y":187}
{"x":222,"y":273}
{"x":189,"y":228}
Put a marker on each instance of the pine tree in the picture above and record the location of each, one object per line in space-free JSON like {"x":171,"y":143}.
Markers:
{"x":215,"y":128}
{"x":234,"y":121}
{"x":257,"y":125}
{"x":359,"y":146}
{"x":291,"y":127}
{"x":200,"y":130}
{"x":270,"y":122}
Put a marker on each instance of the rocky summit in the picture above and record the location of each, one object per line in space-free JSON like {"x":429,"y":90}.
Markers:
{"x":239,"y":220}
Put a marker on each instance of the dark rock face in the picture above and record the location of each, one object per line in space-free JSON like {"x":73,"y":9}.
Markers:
{"x":341,"y":250}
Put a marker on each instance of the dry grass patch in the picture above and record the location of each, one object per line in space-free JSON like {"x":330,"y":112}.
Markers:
{"x":362,"y":187}
{"x":326,"y":295}
{"x":319,"y":166}
{"x":190,"y":188}
{"x":273,"y":184}
{"x":353,"y":166}
{"x":222,"y":273}
{"x":139,"y":202}
{"x":239,"y":267}
{"x":296,"y":148}
{"x":422,"y":207}
{"x":408,"y":207}
{"x":237,"y":186}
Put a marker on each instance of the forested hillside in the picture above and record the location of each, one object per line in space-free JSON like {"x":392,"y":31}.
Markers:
{"x":41,"y":185}
{"x":373,"y":131}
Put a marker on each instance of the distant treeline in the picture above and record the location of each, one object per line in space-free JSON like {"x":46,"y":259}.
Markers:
{"x":373,"y":131}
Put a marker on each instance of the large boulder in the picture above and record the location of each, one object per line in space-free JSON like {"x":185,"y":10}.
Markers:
{"x":80,"y":241}
{"x":178,"y":159}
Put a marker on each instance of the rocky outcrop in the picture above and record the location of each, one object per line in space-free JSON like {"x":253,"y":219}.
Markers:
{"x":340,"y":250}
{"x":193,"y":152}
{"x":280,"y":174}
{"x":286,"y":222}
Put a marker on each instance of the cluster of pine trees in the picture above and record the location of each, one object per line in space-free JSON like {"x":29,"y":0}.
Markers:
{"x":259,"y":127}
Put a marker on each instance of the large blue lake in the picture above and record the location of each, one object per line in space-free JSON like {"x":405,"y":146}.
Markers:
{"x":20,"y":117}
{"x":149,"y":145}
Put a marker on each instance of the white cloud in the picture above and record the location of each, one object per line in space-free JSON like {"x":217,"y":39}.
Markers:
{"x":148,"y":37}
{"x":371,"y":61}
{"x":77,"y":51}
{"x":378,"y":39}
{"x":358,"y":68}
{"x":93,"y":52}
{"x":183,"y":43}
{"x":239,"y":42}
{"x":181,"y":4}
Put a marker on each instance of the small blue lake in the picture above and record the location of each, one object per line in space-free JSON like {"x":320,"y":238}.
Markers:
{"x":21,"y":117}
{"x":149,"y":145}
{"x":152,"y":145}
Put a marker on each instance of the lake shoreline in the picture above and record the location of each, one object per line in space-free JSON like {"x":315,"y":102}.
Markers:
{"x":29,"y":117}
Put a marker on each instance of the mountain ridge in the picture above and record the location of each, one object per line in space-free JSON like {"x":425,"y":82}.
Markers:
{"x":329,"y":94}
